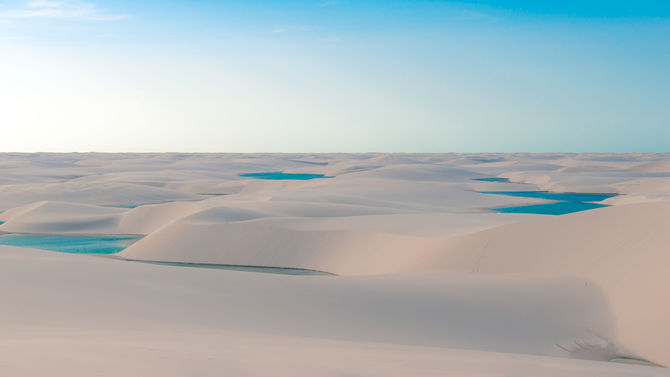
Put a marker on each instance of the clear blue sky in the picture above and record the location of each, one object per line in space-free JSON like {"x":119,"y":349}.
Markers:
{"x":335,"y":75}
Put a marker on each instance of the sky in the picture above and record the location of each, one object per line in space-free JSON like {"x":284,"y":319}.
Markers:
{"x":335,"y":76}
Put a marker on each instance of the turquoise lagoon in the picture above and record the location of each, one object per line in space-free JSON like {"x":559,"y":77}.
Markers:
{"x":564,"y":202}
{"x":278,"y":175}
{"x":70,"y":244}
{"x":493,"y":179}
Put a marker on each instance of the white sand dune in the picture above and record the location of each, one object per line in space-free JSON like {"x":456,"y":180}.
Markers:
{"x":60,"y":217}
{"x":661,"y":165}
{"x":430,"y":282}
{"x":88,"y":193}
{"x":108,"y":308}
{"x":624,"y":249}
{"x":269,"y":242}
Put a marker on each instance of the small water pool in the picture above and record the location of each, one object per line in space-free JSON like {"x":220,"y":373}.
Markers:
{"x":564,"y":202}
{"x":278,"y":175}
{"x":70,"y":244}
{"x":493,"y":179}
{"x":558,"y":208}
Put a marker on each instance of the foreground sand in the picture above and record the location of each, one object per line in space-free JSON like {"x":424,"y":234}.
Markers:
{"x":428,"y":281}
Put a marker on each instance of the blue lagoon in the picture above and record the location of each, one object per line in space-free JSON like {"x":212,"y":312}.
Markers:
{"x":278,"y":175}
{"x":492,"y":179}
{"x":70,"y":244}
{"x":564,"y":202}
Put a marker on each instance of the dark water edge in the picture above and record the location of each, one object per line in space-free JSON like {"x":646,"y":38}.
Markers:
{"x":237,"y":267}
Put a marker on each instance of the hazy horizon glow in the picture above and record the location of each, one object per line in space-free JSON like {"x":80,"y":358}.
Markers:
{"x":334,"y":76}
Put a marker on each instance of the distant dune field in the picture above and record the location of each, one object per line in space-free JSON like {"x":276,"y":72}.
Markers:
{"x":381,"y":264}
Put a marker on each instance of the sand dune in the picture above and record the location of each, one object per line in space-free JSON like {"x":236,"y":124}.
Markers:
{"x":542,"y":315}
{"x":269,"y":243}
{"x":624,"y":249}
{"x":102,"y":194}
{"x":59,"y":217}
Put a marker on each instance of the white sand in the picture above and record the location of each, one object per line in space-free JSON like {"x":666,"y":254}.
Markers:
{"x":430,"y":282}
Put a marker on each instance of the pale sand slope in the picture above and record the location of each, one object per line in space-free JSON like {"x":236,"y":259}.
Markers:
{"x":68,"y":315}
{"x":624,"y":249}
{"x":580,"y":286}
